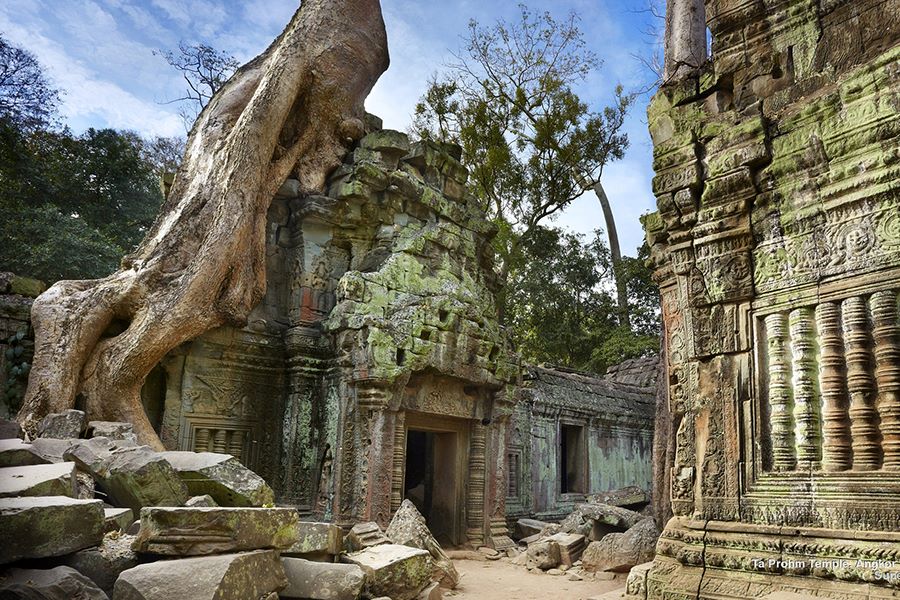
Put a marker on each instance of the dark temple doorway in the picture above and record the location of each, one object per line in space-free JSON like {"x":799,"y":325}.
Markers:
{"x":431,"y":481}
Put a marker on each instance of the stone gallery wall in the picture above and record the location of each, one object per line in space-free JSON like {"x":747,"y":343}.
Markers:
{"x":575,"y":434}
{"x":777,"y":249}
{"x":16,"y":337}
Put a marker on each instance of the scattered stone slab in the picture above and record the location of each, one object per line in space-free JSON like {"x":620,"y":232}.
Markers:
{"x":399,"y":572}
{"x":204,"y":500}
{"x":322,"y":581}
{"x":61,"y":426}
{"x":408,"y":527}
{"x":596,"y":520}
{"x":52,"y":450}
{"x":571,"y":546}
{"x":104,"y":564}
{"x":543,"y":554}
{"x":58,"y":583}
{"x":113,"y":430}
{"x":364,"y":535}
{"x":532,"y":539}
{"x":192,"y":531}
{"x":48,"y":526}
{"x":249,"y":575}
{"x":622,"y":551}
{"x":130,"y":476}
{"x":10,"y":430}
{"x":16,"y":453}
{"x":431,"y":592}
{"x":529,"y":527}
{"x":626,"y":496}
{"x":317,"y":541}
{"x":222,"y":476}
{"x":117,"y":519}
{"x":38,"y":480}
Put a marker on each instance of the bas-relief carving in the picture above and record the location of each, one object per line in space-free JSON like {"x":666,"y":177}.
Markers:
{"x":777,"y":250}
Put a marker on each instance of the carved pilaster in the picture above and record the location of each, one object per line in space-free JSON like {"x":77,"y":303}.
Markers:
{"x":886,"y":333}
{"x":475,"y":488}
{"x":780,"y":401}
{"x":807,"y":424}
{"x":399,"y":461}
{"x":860,"y":385}
{"x":836,"y":445}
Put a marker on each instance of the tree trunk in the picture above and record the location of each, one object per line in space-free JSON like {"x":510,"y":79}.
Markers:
{"x":616,"y":253}
{"x":292,"y":110}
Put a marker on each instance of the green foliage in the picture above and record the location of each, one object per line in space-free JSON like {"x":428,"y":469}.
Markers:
{"x":17,"y":369}
{"x":26,"y":97}
{"x":562,"y":308}
{"x":72,"y":205}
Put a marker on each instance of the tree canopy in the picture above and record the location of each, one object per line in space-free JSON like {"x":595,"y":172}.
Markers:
{"x":532,"y":146}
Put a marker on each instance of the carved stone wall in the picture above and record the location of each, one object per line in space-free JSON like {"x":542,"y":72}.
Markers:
{"x":776,"y":249}
{"x":614,"y":414}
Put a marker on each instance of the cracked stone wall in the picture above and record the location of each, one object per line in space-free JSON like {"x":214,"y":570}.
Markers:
{"x":777,"y":249}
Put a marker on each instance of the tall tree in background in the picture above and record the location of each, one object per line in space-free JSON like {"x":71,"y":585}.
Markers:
{"x":205,"y":70}
{"x":27,"y":100}
{"x":531,"y":144}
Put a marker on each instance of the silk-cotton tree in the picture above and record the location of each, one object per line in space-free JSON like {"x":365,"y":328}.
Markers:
{"x":292,"y":111}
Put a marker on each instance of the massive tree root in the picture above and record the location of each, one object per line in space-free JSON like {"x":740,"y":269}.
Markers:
{"x":292,"y":110}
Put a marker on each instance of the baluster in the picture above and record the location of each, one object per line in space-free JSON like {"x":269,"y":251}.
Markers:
{"x":863,"y":416}
{"x":475,"y":487}
{"x":780,"y":402}
{"x":201,"y":440}
{"x":219,"y":444}
{"x":836,"y":447}
{"x":807,"y":432}
{"x":886,"y":333}
{"x":236,"y":444}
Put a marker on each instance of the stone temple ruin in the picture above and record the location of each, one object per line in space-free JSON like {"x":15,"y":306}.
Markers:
{"x":777,"y":250}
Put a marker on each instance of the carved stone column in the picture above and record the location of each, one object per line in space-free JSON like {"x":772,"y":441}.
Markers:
{"x":807,"y":424}
{"x":496,"y":484}
{"x":780,"y":401}
{"x":863,"y":415}
{"x":886,"y":333}
{"x":475,"y":529}
{"x":376,"y":478}
{"x":836,"y":443}
{"x":399,"y":460}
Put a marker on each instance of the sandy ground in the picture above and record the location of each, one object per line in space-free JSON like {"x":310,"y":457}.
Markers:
{"x":501,"y":580}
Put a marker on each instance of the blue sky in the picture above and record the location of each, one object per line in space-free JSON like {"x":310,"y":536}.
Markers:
{"x":100,"y":52}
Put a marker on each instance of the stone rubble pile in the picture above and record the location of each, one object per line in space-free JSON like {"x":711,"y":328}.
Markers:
{"x":102,"y":517}
{"x":597,"y":539}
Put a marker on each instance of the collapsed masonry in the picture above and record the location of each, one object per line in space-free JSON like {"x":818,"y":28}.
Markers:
{"x":777,"y":249}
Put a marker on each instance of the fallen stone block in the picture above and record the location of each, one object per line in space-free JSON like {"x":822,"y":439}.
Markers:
{"x":38,"y":480}
{"x":529,"y":527}
{"x":622,"y":551}
{"x":131,"y":476}
{"x":636,"y":584}
{"x":249,"y":575}
{"x":64,"y":425}
{"x":45,"y":526}
{"x":531,"y":539}
{"x":222,"y":476}
{"x":92,"y":455}
{"x":113,"y":430}
{"x":58,"y":583}
{"x":543,"y":555}
{"x":392,"y":570}
{"x":408,"y":528}
{"x":117,"y":519}
{"x":16,"y":453}
{"x":317,"y":541}
{"x":322,"y":581}
{"x":626,"y":496}
{"x":364,"y":535}
{"x":10,"y":430}
{"x":104,"y":564}
{"x":204,"y":500}
{"x":191,"y":531}
{"x":571,"y":546}
{"x":596,"y":520}
{"x":52,"y":450}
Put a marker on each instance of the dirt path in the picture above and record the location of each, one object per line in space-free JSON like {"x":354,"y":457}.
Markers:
{"x":501,"y":580}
